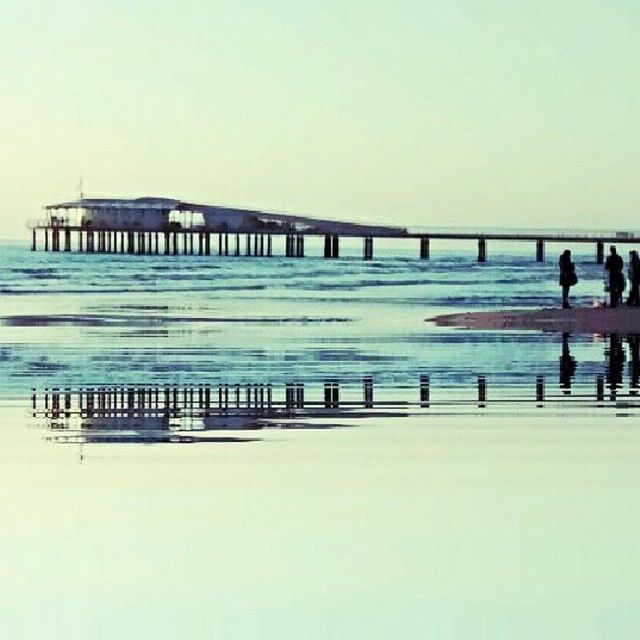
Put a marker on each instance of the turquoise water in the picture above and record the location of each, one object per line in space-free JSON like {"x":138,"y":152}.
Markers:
{"x":280,"y":448}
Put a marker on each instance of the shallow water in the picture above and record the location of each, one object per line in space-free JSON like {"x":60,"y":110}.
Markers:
{"x":352,"y":471}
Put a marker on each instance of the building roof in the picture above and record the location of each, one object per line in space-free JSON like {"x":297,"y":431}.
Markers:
{"x":169,"y":204}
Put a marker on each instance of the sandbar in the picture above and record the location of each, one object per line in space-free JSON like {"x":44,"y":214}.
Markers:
{"x":623,"y":320}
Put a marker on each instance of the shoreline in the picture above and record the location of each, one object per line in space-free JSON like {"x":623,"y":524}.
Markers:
{"x":622,"y":320}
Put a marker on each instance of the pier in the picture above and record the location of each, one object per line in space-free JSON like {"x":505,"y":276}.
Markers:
{"x":162,"y":226}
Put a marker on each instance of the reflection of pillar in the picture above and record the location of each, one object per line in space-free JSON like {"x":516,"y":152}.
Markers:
{"x":600,"y":388}
{"x":367,"y":392}
{"x":425,"y":392}
{"x":540,"y":390}
{"x":539,"y":251}
{"x":331,"y":395}
{"x":567,"y":365}
{"x":482,"y":391}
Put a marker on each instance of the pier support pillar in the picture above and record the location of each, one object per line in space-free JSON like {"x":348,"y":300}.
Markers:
{"x":46,"y":240}
{"x":335,"y":247}
{"x":167,"y":243}
{"x":33,"y":240}
{"x":175,"y":243}
{"x":130,"y":242}
{"x":157,"y":238}
{"x":67,"y":240}
{"x":247,"y":245}
{"x":600,"y":252}
{"x":200,"y":244}
{"x":226,"y":244}
{"x":237,"y":244}
{"x":55,"y":240}
{"x":269,"y":246}
{"x":367,"y":249}
{"x":207,"y":244}
{"x":122,"y":249}
{"x":288,"y":251}
{"x":191,"y":243}
{"x":262,"y":244}
{"x":424,"y":248}
{"x":90,"y":242}
{"x":539,"y":251}
{"x":482,"y":250}
{"x":80,"y":240}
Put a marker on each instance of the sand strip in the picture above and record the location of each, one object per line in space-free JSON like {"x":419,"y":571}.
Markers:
{"x":623,"y":320}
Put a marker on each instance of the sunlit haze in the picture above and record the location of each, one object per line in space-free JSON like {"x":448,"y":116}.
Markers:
{"x":466,"y":113}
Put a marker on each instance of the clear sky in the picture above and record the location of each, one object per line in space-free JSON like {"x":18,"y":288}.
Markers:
{"x":477,"y":112}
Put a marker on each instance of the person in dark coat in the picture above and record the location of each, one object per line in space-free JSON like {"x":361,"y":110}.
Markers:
{"x":568,"y":276}
{"x":634,"y":279}
{"x":614,"y":265}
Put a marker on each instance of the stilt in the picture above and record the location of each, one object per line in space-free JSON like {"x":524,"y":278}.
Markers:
{"x":261,"y":244}
{"x":600,"y":252}
{"x":200,"y":244}
{"x":207,"y":244}
{"x":122,"y":249}
{"x":175,"y":243}
{"x":191,"y":243}
{"x":269,"y":251}
{"x":335,"y":247}
{"x":55,"y":239}
{"x":226,"y":244}
{"x":33,"y":239}
{"x":248,"y":245}
{"x":90,"y":242}
{"x":46,"y":240}
{"x":157,"y":238}
{"x":167,"y":243}
{"x":367,"y":249}
{"x":424,"y":248}
{"x":540,"y":251}
{"x":80,"y":239}
{"x":67,"y":239}
{"x":300,"y":246}
{"x":482,"y":250}
{"x":237,"y":244}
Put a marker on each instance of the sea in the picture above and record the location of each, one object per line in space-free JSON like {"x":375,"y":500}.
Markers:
{"x":253,"y":447}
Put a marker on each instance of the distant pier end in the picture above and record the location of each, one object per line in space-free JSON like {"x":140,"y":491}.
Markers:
{"x":166,"y":226}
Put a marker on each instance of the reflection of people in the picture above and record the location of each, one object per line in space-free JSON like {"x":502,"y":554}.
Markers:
{"x":567,"y":365}
{"x":634,"y":279}
{"x":614,"y":266}
{"x":568,"y":276}
{"x":634,"y":365}
{"x":615,"y":362}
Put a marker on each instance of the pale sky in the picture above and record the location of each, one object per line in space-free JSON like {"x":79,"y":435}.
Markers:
{"x":477,"y":112}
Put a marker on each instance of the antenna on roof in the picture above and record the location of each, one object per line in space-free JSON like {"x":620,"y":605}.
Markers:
{"x":80,"y":189}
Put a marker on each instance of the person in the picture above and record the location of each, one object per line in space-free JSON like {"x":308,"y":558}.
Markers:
{"x":634,"y":279}
{"x":614,"y":266}
{"x":568,"y":277}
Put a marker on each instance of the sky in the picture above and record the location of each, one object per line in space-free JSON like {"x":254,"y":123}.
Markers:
{"x":470,"y":113}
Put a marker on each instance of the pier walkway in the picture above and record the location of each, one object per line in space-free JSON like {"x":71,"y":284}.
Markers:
{"x":173,"y":227}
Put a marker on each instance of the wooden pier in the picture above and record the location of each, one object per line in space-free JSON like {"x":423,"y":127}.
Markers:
{"x":159,"y":226}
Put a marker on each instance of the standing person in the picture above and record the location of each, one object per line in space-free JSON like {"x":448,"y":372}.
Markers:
{"x":634,"y":279}
{"x":568,"y":276}
{"x":614,"y":266}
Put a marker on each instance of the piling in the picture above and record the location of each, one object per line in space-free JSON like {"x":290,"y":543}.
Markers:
{"x":424,"y":248}
{"x":600,"y":252}
{"x":367,"y":249}
{"x":540,"y":251}
{"x":482,"y":250}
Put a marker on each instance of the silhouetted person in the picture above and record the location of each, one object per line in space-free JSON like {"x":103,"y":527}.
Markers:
{"x":568,"y":276}
{"x":567,"y":365}
{"x":634,"y":279}
{"x":614,"y":266}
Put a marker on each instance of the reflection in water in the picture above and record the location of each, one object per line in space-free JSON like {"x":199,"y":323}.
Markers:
{"x":145,"y":413}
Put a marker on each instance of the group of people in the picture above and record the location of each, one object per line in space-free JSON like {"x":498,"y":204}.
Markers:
{"x":615,"y":281}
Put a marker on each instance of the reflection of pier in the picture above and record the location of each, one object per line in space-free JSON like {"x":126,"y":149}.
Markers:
{"x":172,"y":413}
{"x":155,"y":226}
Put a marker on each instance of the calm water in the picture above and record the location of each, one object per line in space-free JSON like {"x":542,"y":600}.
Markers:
{"x":352,"y":471}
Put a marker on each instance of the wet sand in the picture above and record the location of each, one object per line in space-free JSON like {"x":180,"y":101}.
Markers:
{"x":623,"y":320}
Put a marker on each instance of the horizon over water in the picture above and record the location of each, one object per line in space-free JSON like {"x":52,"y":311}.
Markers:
{"x":351,"y":470}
